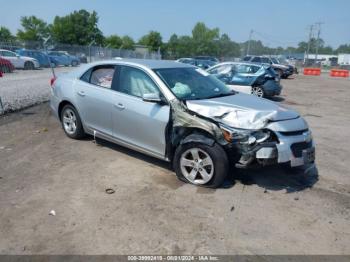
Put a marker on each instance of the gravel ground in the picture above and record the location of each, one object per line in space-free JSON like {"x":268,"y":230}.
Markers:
{"x":266,"y":211}
{"x":21,"y":89}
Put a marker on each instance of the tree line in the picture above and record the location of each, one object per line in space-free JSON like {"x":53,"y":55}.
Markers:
{"x":81,"y":28}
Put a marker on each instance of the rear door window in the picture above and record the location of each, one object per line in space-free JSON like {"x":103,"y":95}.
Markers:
{"x":247,"y":69}
{"x":100,"y":76}
{"x":9,"y":54}
{"x":223,"y":69}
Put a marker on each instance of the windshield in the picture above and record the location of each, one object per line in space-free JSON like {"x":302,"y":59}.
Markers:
{"x":193,"y":83}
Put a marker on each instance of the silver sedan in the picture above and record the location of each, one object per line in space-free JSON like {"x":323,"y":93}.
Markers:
{"x":181,"y":114}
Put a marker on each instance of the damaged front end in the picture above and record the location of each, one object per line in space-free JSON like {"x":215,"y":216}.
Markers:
{"x":248,"y":136}
{"x":245,"y":146}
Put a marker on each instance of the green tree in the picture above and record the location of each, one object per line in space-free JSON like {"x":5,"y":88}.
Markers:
{"x":153,"y":40}
{"x":79,"y":27}
{"x":128,"y":43}
{"x":343,"y":49}
{"x":114,"y":41}
{"x":204,"y":39}
{"x":172,"y":46}
{"x":228,"y":48}
{"x":185,"y":47}
{"x":5,"y":34}
{"x":34,"y":29}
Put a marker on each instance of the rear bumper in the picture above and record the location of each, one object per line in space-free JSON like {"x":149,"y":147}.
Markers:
{"x":54,"y":103}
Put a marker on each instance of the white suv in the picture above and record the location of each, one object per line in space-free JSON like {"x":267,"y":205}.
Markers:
{"x":18,"y":61}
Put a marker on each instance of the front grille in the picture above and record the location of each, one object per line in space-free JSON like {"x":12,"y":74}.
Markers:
{"x":297,"y":148}
{"x":294,"y":133}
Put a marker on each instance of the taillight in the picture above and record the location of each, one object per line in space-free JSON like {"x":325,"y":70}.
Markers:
{"x":52,"y":81}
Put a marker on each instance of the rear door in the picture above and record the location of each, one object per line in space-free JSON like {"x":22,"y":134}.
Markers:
{"x":94,"y":96}
{"x":136,"y":122}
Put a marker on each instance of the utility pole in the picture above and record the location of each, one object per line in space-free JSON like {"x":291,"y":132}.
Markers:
{"x":309,"y":43}
{"x":318,"y":38}
{"x":250,"y":39}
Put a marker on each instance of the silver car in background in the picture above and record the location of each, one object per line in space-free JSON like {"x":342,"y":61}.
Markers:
{"x":181,"y":114}
{"x":18,"y":61}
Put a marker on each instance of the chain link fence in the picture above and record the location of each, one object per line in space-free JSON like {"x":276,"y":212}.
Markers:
{"x":25,"y":88}
{"x":86,"y":54}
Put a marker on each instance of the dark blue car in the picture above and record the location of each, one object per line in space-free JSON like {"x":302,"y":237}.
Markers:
{"x":42,"y":57}
{"x":256,"y":79}
{"x":64,"y":58}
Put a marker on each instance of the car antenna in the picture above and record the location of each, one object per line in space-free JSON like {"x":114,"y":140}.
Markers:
{"x":48,"y":58}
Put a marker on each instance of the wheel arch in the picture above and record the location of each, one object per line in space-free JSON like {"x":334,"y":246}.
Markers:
{"x":184,"y":135}
{"x":61,"y":105}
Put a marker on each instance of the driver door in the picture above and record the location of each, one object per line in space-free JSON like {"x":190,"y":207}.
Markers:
{"x":139,"y":123}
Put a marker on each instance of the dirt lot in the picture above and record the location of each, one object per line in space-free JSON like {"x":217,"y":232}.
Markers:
{"x":262,"y":212}
{"x":24,"y":88}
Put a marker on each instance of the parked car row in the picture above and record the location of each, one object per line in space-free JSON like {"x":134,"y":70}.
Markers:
{"x":33,"y":59}
{"x":283,"y":70}
{"x":257,"y":75}
{"x":19,"y":61}
{"x":203,"y":62}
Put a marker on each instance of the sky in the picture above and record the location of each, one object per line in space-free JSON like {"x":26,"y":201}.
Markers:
{"x":275,"y":22}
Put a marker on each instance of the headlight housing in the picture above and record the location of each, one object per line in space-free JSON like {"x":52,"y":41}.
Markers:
{"x":244,"y":136}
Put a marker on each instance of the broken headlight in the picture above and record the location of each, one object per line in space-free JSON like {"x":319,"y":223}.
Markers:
{"x":244,"y":136}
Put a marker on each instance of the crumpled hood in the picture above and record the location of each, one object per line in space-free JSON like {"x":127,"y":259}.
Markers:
{"x":241,"y":111}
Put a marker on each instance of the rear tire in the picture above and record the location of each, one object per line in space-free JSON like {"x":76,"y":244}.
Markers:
{"x":258,"y":91}
{"x":5,"y":69}
{"x":74,"y":63}
{"x":208,"y":167}
{"x":71,"y":122}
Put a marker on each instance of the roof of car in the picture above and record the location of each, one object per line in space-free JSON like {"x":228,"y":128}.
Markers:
{"x":238,"y":63}
{"x":152,"y":64}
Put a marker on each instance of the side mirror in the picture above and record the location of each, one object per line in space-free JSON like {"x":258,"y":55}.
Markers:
{"x":153,"y":98}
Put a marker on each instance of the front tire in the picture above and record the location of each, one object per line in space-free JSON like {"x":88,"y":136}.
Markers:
{"x":201,"y":164}
{"x":71,"y":122}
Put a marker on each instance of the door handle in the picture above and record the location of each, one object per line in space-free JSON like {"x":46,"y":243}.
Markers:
{"x":119,"y":106}
{"x":81,"y":93}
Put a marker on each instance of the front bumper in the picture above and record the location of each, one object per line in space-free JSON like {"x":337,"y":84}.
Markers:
{"x":36,"y":64}
{"x":297,"y":148}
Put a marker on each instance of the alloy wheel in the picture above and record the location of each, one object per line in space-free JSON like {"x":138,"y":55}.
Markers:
{"x":197,"y":166}
{"x":69,"y":121}
{"x":258,"y":91}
